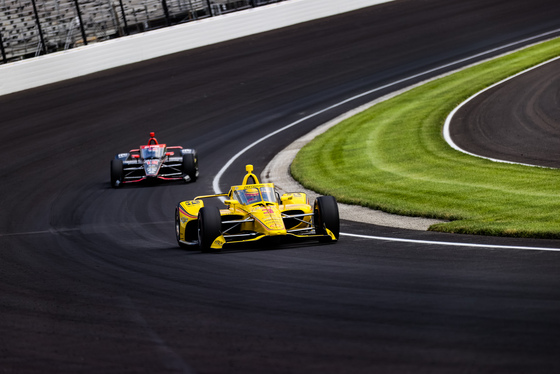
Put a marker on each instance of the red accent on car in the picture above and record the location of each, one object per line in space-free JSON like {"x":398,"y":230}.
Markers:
{"x":152,"y":139}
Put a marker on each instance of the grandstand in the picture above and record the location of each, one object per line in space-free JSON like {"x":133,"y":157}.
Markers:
{"x":30,"y":28}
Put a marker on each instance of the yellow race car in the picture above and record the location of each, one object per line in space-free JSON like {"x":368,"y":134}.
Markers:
{"x":254,"y":211}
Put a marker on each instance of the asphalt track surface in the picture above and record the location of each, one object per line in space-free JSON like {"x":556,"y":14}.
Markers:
{"x":93,"y":281}
{"x":517,"y":121}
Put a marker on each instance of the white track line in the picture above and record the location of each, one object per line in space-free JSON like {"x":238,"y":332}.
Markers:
{"x":216,"y":181}
{"x":453,"y":244}
{"x":447,"y":124}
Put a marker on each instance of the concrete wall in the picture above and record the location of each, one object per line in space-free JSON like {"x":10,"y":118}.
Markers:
{"x":34,"y":72}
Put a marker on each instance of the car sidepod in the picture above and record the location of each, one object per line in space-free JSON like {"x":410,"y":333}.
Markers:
{"x":186,"y":222}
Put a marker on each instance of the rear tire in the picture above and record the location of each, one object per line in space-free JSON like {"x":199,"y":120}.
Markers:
{"x":209,"y":227}
{"x":190,"y":165}
{"x":325,"y":215}
{"x":116,"y":172}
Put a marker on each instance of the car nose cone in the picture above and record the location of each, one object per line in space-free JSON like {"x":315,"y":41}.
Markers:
{"x":151,"y":168}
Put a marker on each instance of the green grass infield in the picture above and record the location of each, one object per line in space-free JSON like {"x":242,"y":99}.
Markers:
{"x":393,"y":157}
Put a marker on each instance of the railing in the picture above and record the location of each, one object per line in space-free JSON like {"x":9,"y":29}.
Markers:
{"x":29,"y":28}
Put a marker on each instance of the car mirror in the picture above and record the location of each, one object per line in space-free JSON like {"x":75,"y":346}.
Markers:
{"x":169,"y":153}
{"x":135,"y":156}
{"x":286,"y":198}
{"x":231,"y":202}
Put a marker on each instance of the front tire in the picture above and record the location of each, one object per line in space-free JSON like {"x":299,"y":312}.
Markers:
{"x":209,"y":227}
{"x":325,"y":216}
{"x":116,"y":172}
{"x":190,"y":165}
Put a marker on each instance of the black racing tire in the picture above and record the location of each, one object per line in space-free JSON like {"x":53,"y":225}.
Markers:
{"x":325,"y":215}
{"x":190,"y":165}
{"x":209,"y":227}
{"x":178,"y":227}
{"x":116,"y":172}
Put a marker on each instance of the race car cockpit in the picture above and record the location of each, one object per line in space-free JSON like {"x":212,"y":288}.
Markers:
{"x":255,"y":195}
{"x":152,"y":152}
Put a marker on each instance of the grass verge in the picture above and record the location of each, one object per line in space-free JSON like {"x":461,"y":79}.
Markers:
{"x":393,"y":157}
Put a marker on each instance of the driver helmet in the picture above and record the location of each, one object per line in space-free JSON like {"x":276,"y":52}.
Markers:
{"x":252,"y":195}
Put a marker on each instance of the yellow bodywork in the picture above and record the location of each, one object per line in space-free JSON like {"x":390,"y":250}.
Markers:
{"x":253,"y":211}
